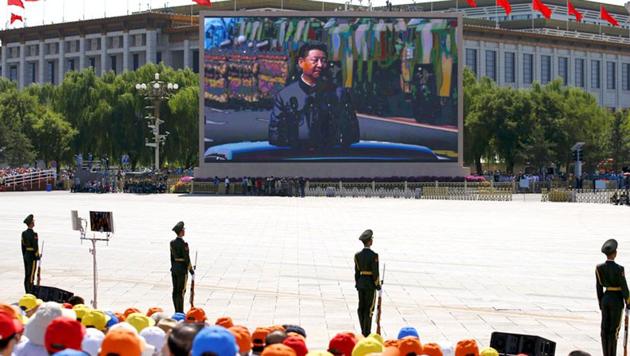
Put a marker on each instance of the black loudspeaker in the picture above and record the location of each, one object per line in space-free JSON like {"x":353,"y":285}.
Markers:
{"x":514,"y":344}
{"x":52,"y":294}
{"x":550,"y":171}
{"x":626,"y":169}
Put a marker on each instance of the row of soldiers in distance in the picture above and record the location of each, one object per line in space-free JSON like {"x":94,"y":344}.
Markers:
{"x":611,"y":286}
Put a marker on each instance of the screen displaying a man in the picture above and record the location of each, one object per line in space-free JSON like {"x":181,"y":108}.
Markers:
{"x":313,"y":112}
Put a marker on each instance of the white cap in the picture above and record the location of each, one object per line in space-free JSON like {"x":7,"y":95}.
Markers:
{"x":92,"y":341}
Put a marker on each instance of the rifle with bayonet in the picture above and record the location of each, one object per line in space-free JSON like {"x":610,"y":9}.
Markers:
{"x":379,"y":304}
{"x":192,"y":284}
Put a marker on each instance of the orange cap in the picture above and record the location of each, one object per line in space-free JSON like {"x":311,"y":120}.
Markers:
{"x":195,"y":315}
{"x":243,"y":338}
{"x":258,"y":338}
{"x":275,"y":328}
{"x":391,"y":351}
{"x":122,"y":342}
{"x":130,"y":311}
{"x":224,"y":321}
{"x":466,"y":347}
{"x":409,"y":345}
{"x":432,"y":349}
{"x":391,"y":342}
{"x":154,"y":310}
{"x":120,"y":316}
{"x":278,"y":350}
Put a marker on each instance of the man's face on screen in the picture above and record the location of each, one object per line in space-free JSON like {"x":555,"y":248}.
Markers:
{"x":313,"y":64}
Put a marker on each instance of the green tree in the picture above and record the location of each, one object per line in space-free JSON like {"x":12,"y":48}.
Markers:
{"x":619,"y":141}
{"x":477,"y":125}
{"x":53,"y":136}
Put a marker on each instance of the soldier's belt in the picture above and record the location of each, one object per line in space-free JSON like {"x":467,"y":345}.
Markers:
{"x":613,"y":289}
{"x":180,"y":260}
{"x":366,"y":273}
{"x":30,"y":249}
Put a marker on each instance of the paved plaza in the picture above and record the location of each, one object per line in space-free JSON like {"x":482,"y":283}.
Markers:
{"x":455,"y":269}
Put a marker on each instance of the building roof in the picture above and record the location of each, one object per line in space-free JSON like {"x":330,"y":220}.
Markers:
{"x":134,"y":21}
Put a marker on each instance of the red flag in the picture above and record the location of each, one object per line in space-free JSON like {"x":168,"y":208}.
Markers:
{"x":542,"y":8}
{"x":16,"y":3}
{"x":203,"y":2}
{"x":15,"y":17}
{"x":505,"y":4}
{"x":572,"y":11}
{"x":606,"y":16}
{"x":471,"y":3}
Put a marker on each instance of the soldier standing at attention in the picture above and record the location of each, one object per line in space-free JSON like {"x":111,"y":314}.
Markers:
{"x":180,"y":265}
{"x":30,"y":253}
{"x":366,"y":281}
{"x":611,"y":276}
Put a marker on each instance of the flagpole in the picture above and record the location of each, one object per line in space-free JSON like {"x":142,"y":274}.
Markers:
{"x":567,"y":15}
{"x":43,"y":11}
{"x":63,"y":11}
{"x":83,"y":10}
{"x":532,"y":5}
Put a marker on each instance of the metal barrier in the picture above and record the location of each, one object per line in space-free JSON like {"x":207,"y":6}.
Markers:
{"x":28,"y":181}
{"x":426,"y":192}
{"x":592,"y":196}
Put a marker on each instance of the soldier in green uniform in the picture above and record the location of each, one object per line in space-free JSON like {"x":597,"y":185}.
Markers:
{"x":30,"y":253}
{"x":611,"y":276}
{"x":367,"y":281}
{"x":180,"y":265}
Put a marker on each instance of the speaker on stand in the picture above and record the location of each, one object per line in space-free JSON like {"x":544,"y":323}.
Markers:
{"x":514,"y":344}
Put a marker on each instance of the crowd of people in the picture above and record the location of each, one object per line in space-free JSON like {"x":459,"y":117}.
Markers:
{"x":36,"y":328}
{"x":272,"y":186}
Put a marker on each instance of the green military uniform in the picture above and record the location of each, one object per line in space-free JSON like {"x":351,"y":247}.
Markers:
{"x":367,"y":282}
{"x":30,"y":254}
{"x":611,"y":276}
{"x":180,"y":265}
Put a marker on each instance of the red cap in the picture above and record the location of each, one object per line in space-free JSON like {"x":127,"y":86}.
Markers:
{"x":67,"y":306}
{"x":297,"y":344}
{"x":342,"y":344}
{"x":9,"y":326}
{"x":63,"y":333}
{"x":224,"y":321}
{"x":130,"y":311}
{"x":154,"y":310}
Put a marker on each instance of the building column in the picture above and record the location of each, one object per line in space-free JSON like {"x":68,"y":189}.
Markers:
{"x":571,"y":69}
{"x":125,"y":65}
{"x":151,"y":48}
{"x":536,"y":65}
{"x":82,"y":53}
{"x":187,"y":55}
{"x":554,"y":64}
{"x":619,"y":82}
{"x":518,"y":64}
{"x":500,"y":65}
{"x":22,"y":68}
{"x":62,"y":60}
{"x":5,"y":70}
{"x":41,"y":64}
{"x":103,"y":54}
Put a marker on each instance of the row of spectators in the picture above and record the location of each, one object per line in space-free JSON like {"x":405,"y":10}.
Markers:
{"x":34,"y":328}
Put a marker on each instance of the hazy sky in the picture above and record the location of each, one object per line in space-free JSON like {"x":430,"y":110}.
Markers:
{"x":55,"y":11}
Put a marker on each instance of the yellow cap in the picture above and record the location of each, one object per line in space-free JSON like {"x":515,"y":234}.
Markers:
{"x":96,"y":319}
{"x":81,"y":310}
{"x":367,"y":346}
{"x":29,"y":301}
{"x":488,"y":351}
{"x":139,"y":321}
{"x":377,"y":337}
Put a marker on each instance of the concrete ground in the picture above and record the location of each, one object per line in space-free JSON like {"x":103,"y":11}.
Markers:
{"x":455,"y":269}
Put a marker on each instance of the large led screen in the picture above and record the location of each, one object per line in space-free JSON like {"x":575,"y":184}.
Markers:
{"x":322,"y":89}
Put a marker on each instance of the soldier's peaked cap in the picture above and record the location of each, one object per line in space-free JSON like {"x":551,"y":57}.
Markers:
{"x":366,"y":235}
{"x":179,"y":227}
{"x":29,"y":219}
{"x":609,"y":246}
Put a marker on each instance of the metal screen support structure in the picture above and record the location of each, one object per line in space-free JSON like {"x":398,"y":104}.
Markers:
{"x":92,"y":250}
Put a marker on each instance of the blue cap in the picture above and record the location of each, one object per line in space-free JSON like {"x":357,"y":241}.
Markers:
{"x":113,"y":319}
{"x":294,"y":329}
{"x":408,"y":331}
{"x":70,"y":352}
{"x":178,"y":316}
{"x":215,"y":339}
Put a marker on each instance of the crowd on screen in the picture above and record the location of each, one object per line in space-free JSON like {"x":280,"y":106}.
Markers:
{"x":35,"y":328}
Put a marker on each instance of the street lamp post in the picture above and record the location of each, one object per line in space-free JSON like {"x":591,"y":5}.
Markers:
{"x":155,"y":92}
